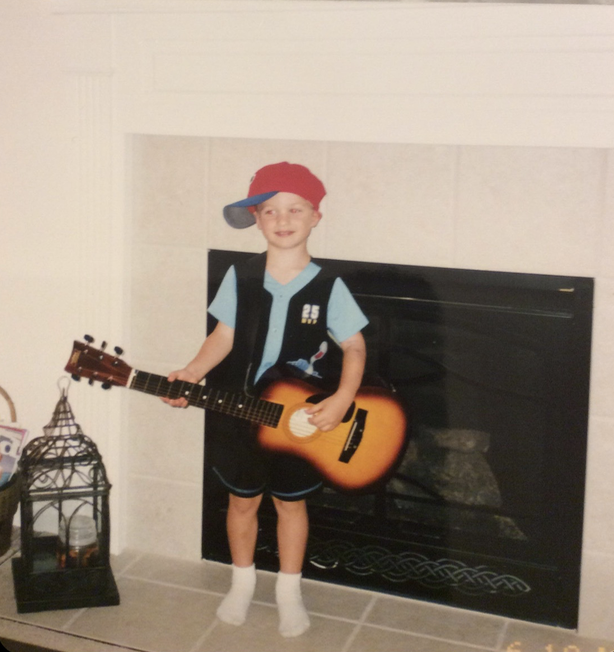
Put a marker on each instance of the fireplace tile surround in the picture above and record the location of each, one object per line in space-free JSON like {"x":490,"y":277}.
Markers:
{"x":424,"y":183}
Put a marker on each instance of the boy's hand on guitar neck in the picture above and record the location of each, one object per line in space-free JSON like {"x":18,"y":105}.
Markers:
{"x":180,"y":374}
{"x":215,"y":348}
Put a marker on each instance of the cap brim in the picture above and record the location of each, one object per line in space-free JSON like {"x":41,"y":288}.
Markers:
{"x":238,"y":214}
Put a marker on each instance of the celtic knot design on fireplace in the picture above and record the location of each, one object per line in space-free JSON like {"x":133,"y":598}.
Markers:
{"x":405,"y":566}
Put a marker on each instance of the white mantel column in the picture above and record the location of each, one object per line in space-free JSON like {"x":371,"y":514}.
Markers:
{"x":98,"y":200}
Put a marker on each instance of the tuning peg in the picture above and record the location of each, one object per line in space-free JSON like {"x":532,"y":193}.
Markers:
{"x":106,"y":385}
{"x":118,"y":350}
{"x":103,"y":346}
{"x":88,"y":338}
{"x":75,"y":377}
{"x":91,"y":381}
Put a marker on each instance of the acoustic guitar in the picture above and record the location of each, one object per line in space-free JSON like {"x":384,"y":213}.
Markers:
{"x":358,"y":453}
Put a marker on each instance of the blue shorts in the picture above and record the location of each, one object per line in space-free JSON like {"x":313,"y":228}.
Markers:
{"x":247,"y":471}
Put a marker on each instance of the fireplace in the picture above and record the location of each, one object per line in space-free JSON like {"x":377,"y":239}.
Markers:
{"x":484,"y":508}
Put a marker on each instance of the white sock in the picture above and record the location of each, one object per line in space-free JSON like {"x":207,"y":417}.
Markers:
{"x":233,"y":609}
{"x":293,"y":618}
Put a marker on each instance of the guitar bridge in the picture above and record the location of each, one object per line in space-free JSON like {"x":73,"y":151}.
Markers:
{"x":355,"y":437}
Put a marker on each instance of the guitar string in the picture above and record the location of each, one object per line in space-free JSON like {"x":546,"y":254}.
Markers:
{"x":263,"y":412}
{"x":195,"y":394}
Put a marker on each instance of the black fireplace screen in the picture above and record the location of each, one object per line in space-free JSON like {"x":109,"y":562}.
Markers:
{"x":484,"y":508}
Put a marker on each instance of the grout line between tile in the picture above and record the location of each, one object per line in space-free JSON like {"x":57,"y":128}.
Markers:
{"x":366,"y":611}
{"x":69,"y":635}
{"x":124,"y":570}
{"x":503,"y":635}
{"x":205,"y":636}
{"x":66,"y":626}
{"x":435,"y":638}
{"x":170,"y":585}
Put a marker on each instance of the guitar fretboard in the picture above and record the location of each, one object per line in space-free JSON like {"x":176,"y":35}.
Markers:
{"x":264,"y":413}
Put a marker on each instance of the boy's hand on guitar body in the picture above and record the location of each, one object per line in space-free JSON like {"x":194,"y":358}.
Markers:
{"x":180,"y":374}
{"x":328,"y":414}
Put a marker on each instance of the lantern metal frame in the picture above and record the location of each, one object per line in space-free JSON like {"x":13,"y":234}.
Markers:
{"x":62,"y":475}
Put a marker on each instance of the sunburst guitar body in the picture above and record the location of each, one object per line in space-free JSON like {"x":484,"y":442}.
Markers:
{"x":357,"y":453}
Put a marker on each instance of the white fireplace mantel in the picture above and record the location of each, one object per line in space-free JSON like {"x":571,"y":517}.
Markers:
{"x":463,"y":73}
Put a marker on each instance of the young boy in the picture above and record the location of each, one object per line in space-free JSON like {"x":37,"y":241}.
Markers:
{"x":278,"y":308}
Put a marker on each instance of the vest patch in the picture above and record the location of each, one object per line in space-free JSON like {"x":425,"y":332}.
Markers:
{"x":307,"y":366}
{"x":310,"y":314}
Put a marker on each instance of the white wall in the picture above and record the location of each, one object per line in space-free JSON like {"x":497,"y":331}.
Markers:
{"x":37,"y":259}
{"x":514,"y":102}
{"x":56,"y":228}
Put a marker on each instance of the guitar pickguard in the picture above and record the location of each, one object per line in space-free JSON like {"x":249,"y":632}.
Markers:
{"x":317,"y":398}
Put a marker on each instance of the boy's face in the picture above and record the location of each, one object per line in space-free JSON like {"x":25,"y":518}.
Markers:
{"x":286,"y":220}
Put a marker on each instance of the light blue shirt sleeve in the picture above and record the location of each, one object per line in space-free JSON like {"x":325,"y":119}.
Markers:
{"x":224,"y":305}
{"x":345,"y":318}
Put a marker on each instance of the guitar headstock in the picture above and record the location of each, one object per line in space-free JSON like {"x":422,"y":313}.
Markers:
{"x":87,"y":362}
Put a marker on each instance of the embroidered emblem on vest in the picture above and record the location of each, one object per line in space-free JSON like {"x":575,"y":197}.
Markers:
{"x":310,"y":314}
{"x":308,"y":365}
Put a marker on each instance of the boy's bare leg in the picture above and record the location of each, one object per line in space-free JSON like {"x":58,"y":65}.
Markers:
{"x":292,"y":532}
{"x":242,"y":528}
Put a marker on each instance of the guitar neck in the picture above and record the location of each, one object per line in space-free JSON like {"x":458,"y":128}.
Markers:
{"x":264,"y":413}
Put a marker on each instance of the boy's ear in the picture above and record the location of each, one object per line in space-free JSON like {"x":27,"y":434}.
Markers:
{"x":318,"y":216}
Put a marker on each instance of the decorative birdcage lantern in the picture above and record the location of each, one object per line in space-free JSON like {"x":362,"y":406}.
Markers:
{"x":65,"y":528}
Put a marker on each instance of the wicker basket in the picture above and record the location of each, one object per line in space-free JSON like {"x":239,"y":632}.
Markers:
{"x":9,"y":494}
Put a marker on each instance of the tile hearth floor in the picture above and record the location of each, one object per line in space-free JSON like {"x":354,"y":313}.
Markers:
{"x":168,"y":605}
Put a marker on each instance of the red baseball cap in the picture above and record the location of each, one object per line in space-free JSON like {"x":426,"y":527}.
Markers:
{"x":268,"y":181}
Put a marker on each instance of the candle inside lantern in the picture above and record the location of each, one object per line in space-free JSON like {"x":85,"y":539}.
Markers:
{"x":82,"y":548}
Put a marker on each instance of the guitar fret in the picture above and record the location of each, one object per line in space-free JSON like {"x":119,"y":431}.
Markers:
{"x":242,"y":406}
{"x":187,"y":390}
{"x":264,"y":412}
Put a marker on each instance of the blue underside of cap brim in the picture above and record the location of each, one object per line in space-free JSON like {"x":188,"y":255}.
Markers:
{"x":254,"y":200}
{"x":238,"y":214}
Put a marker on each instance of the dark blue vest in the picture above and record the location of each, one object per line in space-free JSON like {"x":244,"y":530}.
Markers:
{"x":305,"y":335}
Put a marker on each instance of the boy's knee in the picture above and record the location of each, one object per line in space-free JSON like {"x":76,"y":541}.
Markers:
{"x":289,"y":508}
{"x":244,"y":506}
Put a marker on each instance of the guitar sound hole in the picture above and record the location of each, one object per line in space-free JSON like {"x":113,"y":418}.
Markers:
{"x":299,"y":424}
